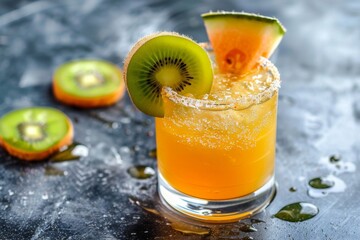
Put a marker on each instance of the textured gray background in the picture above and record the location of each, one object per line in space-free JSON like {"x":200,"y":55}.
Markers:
{"x":319,"y":115}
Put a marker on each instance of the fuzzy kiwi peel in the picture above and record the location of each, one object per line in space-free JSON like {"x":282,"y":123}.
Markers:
{"x":35,"y":133}
{"x":165,"y":59}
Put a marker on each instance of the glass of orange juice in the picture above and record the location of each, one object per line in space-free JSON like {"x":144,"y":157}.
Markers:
{"x":216,"y":154}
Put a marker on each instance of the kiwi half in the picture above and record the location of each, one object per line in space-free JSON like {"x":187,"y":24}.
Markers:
{"x":35,"y":133}
{"x":165,"y":59}
{"x":88,"y":83}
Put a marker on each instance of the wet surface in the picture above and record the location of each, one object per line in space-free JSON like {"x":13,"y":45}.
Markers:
{"x":318,"y":121}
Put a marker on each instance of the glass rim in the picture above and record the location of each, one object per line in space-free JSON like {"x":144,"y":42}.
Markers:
{"x":238,"y":103}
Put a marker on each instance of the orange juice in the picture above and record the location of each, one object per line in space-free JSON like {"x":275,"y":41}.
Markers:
{"x":221,"y":146}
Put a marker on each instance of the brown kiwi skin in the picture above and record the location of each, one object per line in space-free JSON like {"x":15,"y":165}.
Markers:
{"x":37,"y":156}
{"x":139,"y":44}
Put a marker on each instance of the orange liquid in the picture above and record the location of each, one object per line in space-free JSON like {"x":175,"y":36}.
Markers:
{"x":217,"y":155}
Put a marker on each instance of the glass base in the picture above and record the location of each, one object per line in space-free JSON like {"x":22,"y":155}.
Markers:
{"x":217,"y":210}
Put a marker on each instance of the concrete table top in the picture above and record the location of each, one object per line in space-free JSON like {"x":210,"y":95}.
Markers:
{"x":96,"y":198}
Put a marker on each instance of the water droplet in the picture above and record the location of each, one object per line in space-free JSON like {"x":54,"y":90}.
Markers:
{"x":101,"y":118}
{"x":144,"y":206}
{"x":189,"y":228}
{"x":321,"y":183}
{"x":100,"y":175}
{"x":244,"y":227}
{"x":125,"y":120}
{"x":72,"y":152}
{"x":297,"y":212}
{"x":153,"y":153}
{"x":141,"y":172}
{"x":247,"y":238}
{"x":321,"y":187}
{"x":53,"y":171}
{"x":292,"y":189}
{"x":114,"y":125}
{"x":136,"y":148}
{"x":45,"y":196}
{"x":255,"y":221}
{"x":334,"y":158}
{"x":337,"y":166}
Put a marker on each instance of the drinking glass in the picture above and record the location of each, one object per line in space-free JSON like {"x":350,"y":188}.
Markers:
{"x":216,"y":155}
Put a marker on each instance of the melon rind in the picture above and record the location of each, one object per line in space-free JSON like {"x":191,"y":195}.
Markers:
{"x":245,"y":15}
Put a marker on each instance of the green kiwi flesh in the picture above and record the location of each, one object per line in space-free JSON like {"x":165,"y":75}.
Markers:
{"x":88,"y":78}
{"x":34,"y":129}
{"x":166,"y":59}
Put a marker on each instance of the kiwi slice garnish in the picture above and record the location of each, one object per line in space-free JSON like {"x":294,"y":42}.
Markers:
{"x":88,"y":83}
{"x":166,"y":59}
{"x":35,"y":133}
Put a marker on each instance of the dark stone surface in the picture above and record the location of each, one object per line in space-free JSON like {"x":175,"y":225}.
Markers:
{"x":319,"y":60}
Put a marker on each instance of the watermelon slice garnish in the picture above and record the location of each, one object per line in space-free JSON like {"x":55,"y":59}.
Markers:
{"x":239,"y":39}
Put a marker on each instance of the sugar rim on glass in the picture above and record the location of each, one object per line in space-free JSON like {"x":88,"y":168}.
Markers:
{"x":238,"y":103}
